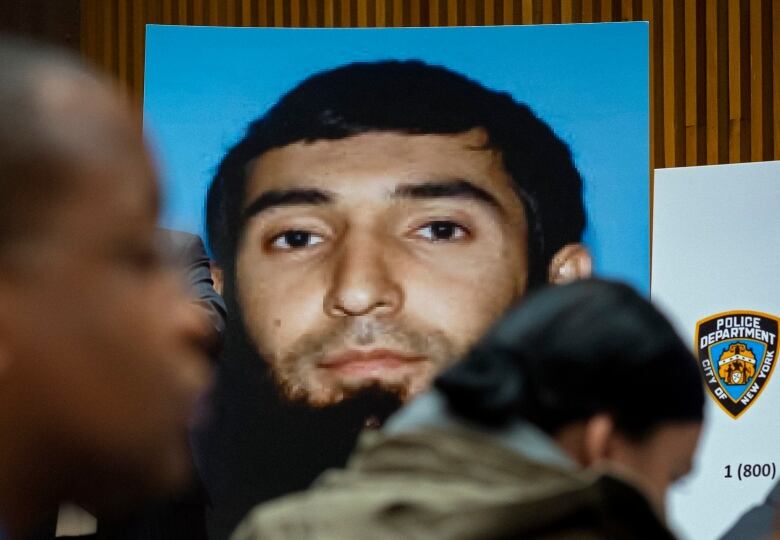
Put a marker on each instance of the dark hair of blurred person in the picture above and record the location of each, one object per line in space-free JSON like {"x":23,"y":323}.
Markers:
{"x":569,"y":420}
{"x":586,"y":365}
{"x":100,"y":353}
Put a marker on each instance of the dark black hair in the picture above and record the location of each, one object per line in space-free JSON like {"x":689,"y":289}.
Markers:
{"x":570,"y":352}
{"x":416,"y":98}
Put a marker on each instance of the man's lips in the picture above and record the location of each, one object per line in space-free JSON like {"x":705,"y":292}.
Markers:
{"x":368,"y":362}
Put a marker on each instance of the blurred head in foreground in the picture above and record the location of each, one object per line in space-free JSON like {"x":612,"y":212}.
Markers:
{"x":100,"y":358}
{"x":597,"y":368}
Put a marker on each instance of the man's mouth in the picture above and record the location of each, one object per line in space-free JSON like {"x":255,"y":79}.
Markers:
{"x":368,"y":363}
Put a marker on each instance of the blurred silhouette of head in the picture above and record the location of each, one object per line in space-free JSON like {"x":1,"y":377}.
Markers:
{"x":100,"y":359}
{"x":597,"y":367}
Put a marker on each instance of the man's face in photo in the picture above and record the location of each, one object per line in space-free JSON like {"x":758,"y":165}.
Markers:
{"x":376,"y":259}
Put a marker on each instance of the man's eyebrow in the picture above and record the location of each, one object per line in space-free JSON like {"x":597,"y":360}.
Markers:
{"x":286,"y":197}
{"x":456,"y":188}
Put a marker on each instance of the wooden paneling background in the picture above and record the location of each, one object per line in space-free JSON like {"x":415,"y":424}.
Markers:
{"x":715,"y":64}
{"x":53,"y":21}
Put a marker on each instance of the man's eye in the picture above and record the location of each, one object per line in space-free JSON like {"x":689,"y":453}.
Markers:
{"x":296,"y":240}
{"x":436,"y":231}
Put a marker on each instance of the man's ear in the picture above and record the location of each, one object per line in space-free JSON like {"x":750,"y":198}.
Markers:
{"x":597,"y":439}
{"x":570,"y":263}
{"x":216,"y":277}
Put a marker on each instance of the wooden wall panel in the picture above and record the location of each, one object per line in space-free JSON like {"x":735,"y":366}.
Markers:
{"x":714,"y":64}
{"x":54,"y":22}
{"x":673,"y":83}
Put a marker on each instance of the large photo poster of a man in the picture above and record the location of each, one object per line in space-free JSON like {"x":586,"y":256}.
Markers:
{"x":374,"y":200}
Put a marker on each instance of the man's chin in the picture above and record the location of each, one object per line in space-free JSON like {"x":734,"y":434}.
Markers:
{"x":324,"y":389}
{"x":350,"y":392}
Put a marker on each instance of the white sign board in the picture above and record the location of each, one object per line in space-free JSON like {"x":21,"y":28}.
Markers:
{"x":716,"y":273}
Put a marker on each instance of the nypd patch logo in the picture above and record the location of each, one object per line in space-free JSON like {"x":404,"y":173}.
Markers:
{"x":736,"y":351}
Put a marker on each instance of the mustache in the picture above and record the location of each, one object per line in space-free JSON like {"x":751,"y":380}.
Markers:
{"x":315,"y":346}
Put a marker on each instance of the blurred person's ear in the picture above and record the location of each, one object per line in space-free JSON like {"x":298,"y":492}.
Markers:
{"x":588,"y":442}
{"x":598,"y":440}
{"x":570,"y":263}
{"x":217,"y":276}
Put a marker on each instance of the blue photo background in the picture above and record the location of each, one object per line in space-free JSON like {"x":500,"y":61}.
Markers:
{"x":203,"y":85}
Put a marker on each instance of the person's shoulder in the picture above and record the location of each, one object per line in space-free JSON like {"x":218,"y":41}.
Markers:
{"x":304,"y":516}
{"x":269,"y":521}
{"x":623,"y":510}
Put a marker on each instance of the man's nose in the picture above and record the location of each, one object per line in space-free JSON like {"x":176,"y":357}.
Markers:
{"x":363,"y":281}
